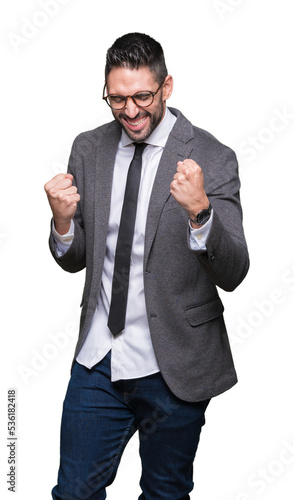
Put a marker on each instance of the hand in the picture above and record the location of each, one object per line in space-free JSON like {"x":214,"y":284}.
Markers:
{"x":188,"y":187}
{"x":63,"y":198}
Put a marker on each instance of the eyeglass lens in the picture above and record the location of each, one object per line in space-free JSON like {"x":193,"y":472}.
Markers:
{"x":142,"y":99}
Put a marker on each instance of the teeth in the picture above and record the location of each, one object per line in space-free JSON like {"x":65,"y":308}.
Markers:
{"x":137,"y":123}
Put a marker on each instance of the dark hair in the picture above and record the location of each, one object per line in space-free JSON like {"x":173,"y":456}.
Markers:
{"x":135,"y":50}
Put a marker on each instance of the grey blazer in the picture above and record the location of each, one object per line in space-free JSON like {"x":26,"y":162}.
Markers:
{"x":185,"y":313}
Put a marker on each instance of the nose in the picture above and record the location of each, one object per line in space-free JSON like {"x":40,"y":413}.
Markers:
{"x":131,"y":108}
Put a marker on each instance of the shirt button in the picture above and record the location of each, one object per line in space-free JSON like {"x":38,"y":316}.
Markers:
{"x":199,"y":236}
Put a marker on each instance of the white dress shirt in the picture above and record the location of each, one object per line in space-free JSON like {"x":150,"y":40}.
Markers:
{"x":132,"y":354}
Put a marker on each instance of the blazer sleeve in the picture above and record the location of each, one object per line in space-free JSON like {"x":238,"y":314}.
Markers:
{"x":226,"y":259}
{"x":74,"y":259}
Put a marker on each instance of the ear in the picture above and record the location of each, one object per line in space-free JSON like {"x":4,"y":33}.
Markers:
{"x":167,"y":87}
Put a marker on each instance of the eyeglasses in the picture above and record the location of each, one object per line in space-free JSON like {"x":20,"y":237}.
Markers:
{"x":143,"y":99}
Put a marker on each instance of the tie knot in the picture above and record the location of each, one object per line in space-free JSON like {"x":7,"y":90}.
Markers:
{"x":139,"y":148}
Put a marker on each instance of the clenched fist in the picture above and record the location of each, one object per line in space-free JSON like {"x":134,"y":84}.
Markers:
{"x":188,"y":187}
{"x":63,"y":198}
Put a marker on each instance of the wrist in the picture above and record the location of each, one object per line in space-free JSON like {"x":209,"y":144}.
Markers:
{"x":201,"y":217}
{"x":199,"y":205}
{"x":62,"y":227}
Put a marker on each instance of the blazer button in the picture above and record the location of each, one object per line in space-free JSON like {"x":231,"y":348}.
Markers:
{"x":212,"y":257}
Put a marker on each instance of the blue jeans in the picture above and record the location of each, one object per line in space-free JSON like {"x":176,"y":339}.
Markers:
{"x":100,"y":417}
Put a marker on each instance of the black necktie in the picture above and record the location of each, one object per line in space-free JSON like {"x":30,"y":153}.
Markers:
{"x":120,"y":281}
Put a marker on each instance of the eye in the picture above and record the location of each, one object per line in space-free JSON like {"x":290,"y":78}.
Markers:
{"x":116,"y":99}
{"x":143,"y":96}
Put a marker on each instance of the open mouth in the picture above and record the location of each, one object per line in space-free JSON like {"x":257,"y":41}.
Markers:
{"x":135,"y":124}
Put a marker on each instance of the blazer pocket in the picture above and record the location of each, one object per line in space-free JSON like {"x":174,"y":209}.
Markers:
{"x":197,"y":315}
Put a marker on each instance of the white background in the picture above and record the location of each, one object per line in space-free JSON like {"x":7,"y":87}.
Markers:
{"x":232,"y":63}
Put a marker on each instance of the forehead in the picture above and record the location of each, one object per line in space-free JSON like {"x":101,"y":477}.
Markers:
{"x":126,"y":81}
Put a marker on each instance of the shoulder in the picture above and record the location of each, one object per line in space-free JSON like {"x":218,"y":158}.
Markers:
{"x":91,"y":138}
{"x":201,"y":140}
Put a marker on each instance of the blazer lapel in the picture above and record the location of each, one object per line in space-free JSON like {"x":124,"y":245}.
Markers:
{"x":176,"y":149}
{"x":105,"y":158}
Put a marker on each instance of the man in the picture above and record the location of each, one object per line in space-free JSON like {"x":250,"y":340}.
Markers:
{"x":153,"y":348}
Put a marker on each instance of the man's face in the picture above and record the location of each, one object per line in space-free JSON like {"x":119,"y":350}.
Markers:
{"x":138,"y":122}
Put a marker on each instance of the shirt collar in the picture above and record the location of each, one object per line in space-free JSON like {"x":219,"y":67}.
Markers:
{"x":159,"y":136}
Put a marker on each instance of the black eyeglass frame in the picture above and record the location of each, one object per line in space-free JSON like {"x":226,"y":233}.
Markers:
{"x":133,"y":97}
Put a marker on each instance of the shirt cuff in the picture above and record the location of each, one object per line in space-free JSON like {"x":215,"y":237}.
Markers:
{"x":63,"y":241}
{"x":198,"y":236}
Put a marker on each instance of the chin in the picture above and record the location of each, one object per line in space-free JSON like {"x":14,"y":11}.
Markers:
{"x":137,"y":136}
